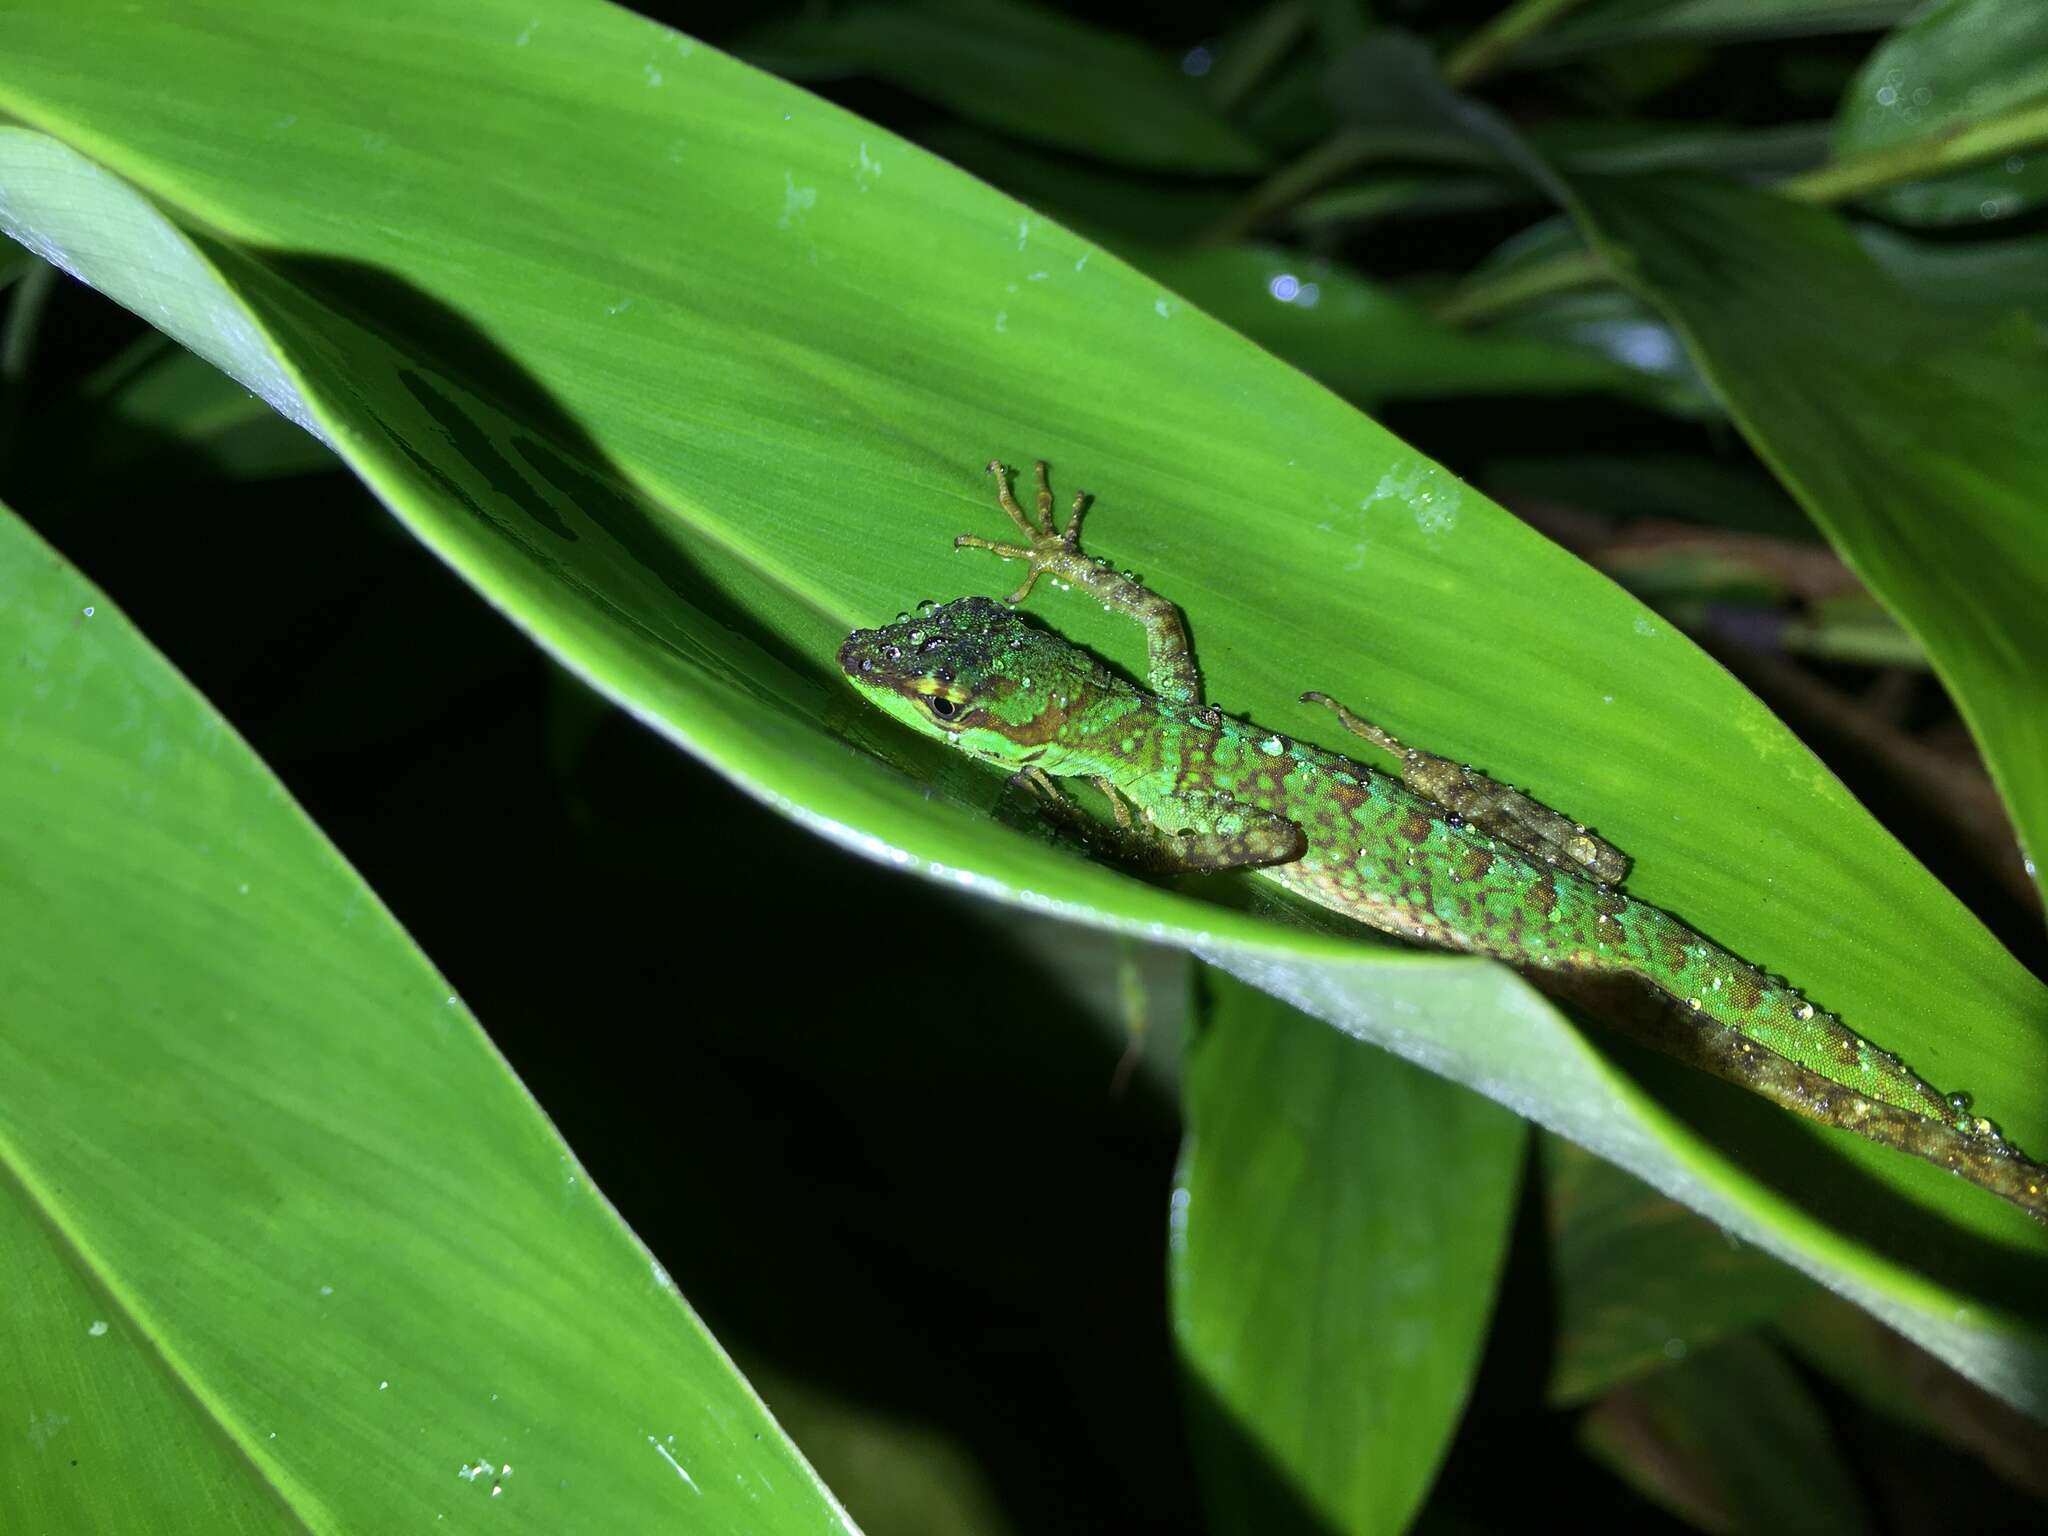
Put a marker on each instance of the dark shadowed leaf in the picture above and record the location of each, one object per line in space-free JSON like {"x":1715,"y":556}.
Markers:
{"x":1025,"y":70}
{"x":1901,"y":1380}
{"x":1640,"y":1280}
{"x":1730,"y":1441}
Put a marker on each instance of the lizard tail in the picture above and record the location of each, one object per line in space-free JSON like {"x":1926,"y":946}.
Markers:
{"x":1781,"y":1046}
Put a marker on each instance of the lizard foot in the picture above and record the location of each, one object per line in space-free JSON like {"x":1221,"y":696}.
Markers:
{"x":1050,"y":549}
{"x":1047,"y":546}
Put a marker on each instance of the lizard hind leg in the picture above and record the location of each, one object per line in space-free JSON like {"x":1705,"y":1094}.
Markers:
{"x":1223,"y":833}
{"x":1357,"y":725}
{"x":1228,"y":834}
{"x":1497,"y":809}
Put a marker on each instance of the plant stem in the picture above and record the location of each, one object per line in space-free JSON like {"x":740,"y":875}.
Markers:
{"x":1488,"y":48}
{"x":1482,"y":300}
{"x":1964,"y":144}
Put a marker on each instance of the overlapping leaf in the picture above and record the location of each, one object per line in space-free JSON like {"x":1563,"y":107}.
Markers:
{"x":1338,"y":1229}
{"x":1730,"y":1440}
{"x":1912,"y":441}
{"x":1640,"y":1281}
{"x":272,"y":1210}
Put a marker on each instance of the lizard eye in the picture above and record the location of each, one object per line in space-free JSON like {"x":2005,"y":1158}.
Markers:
{"x":942,"y":706}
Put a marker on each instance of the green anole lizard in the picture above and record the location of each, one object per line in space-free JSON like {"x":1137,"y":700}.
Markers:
{"x":1439,"y":854}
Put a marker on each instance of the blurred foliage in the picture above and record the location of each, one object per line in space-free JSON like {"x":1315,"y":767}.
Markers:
{"x":1565,"y":263}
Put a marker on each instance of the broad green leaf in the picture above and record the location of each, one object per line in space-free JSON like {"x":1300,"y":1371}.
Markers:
{"x":1730,"y":1441}
{"x":274,"y":1210}
{"x":1617,"y":23}
{"x":1025,"y":70}
{"x":99,"y":1438}
{"x":1338,"y":1230}
{"x":1954,"y":63}
{"x":1640,"y":1280}
{"x":1912,"y":442}
{"x":641,"y":343}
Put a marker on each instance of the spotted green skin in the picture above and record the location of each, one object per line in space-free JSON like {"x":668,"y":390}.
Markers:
{"x":1203,"y":790}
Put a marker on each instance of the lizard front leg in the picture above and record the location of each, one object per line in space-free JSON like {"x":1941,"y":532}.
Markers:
{"x":1050,"y":549}
{"x":1220,"y":833}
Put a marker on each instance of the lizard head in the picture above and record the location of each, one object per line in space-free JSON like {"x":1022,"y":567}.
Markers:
{"x":973,"y":673}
